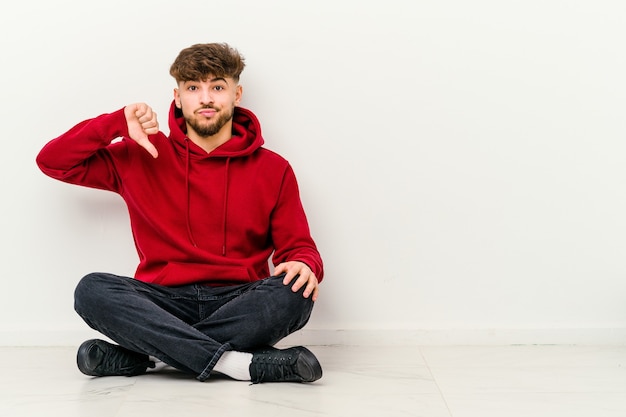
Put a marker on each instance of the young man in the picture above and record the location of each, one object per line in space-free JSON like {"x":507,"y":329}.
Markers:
{"x":208,"y":207}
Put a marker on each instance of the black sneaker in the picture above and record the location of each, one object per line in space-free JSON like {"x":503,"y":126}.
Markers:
{"x":99,"y":358}
{"x":296,"y":364}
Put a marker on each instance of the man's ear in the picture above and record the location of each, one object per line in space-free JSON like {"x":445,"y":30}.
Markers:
{"x":238,"y":94}
{"x":177,"y":98}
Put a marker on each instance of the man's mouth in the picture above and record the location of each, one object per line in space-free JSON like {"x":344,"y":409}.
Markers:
{"x":207,"y":112}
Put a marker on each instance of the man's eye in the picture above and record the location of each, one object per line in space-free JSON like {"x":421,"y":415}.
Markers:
{"x":192,"y":88}
{"x":219,"y":87}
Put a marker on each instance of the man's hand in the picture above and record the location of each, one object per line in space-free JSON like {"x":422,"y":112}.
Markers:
{"x":305,"y":279}
{"x":142,"y":121}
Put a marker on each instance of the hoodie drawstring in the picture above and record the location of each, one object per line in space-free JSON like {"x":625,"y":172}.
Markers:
{"x":188,"y":211}
{"x":225,"y":207}
{"x":187,"y":164}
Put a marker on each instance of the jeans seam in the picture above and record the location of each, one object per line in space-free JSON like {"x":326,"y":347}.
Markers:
{"x":207,"y":371}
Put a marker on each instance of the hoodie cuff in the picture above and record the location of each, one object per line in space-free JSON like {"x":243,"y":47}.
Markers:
{"x":112,"y":125}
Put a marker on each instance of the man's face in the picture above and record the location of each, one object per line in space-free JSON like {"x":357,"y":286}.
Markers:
{"x":208,"y":106}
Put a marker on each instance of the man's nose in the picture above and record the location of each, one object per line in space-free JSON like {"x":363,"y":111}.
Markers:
{"x":206,"y":97}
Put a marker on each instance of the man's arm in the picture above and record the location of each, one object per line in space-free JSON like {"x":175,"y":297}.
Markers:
{"x":83,"y":155}
{"x":295,"y":251}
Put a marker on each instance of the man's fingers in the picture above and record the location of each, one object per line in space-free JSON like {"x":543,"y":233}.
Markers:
{"x":299,"y":283}
{"x":279,"y":269}
{"x":148,"y":120}
{"x":308,"y":282}
{"x":311,"y":289}
{"x":143,"y":112}
{"x":315,"y":293}
{"x":304,"y":278}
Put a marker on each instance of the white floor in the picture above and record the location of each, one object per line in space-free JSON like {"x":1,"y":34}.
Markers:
{"x":507,"y":381}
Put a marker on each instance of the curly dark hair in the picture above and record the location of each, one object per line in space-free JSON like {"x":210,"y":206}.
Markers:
{"x":200,"y":61}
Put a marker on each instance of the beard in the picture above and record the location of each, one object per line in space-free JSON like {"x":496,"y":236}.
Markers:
{"x":207,"y":128}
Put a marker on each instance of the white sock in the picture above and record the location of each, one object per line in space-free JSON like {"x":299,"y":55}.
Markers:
{"x":235,"y":364}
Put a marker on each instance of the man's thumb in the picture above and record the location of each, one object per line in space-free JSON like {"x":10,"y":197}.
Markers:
{"x":148,"y":146}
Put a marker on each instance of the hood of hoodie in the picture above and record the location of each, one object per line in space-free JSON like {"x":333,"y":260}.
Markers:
{"x":245,"y":140}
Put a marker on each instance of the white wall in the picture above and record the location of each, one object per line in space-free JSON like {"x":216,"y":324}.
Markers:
{"x":461,"y":162}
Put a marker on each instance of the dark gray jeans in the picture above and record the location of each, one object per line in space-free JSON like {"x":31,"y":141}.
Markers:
{"x":191,"y":326}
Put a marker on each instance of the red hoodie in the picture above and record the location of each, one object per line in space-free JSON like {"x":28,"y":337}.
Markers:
{"x":196,"y":217}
